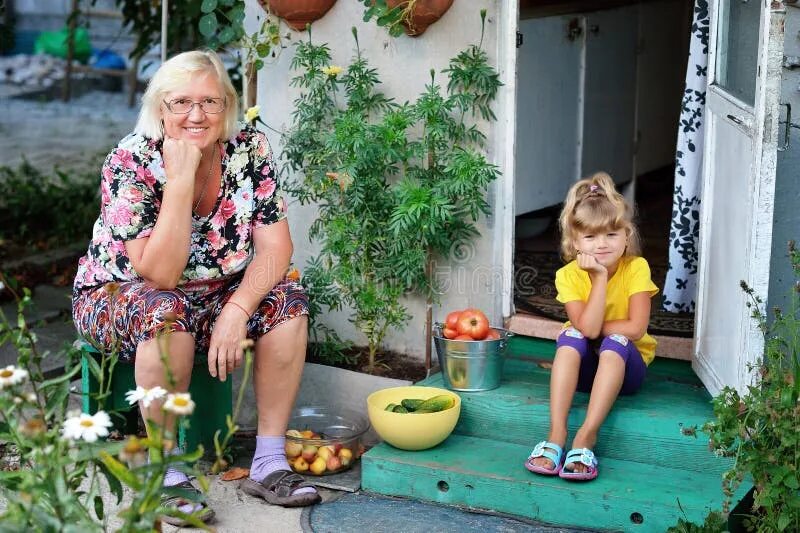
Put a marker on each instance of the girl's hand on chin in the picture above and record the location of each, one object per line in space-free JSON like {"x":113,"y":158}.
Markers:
{"x":588,"y":263}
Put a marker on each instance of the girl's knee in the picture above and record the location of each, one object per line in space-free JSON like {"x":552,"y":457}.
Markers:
{"x":619,"y":344}
{"x":573,"y":338}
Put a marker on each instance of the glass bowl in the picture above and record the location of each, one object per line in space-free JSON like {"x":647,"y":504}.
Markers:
{"x":321,"y":441}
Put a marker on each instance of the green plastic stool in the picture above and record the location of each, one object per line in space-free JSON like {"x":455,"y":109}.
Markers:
{"x":212,"y":398}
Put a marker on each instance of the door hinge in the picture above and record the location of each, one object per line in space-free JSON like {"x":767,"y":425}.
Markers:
{"x":519,"y":39}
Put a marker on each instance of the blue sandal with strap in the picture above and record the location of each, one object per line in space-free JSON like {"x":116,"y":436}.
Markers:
{"x":550,"y":451}
{"x":584,"y":456}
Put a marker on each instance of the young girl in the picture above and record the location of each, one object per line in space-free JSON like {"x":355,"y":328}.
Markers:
{"x":604,"y":348}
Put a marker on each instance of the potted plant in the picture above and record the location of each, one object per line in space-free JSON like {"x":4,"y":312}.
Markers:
{"x":759,"y":427}
{"x":365,"y":160}
{"x":411,"y":16}
{"x":298,"y":13}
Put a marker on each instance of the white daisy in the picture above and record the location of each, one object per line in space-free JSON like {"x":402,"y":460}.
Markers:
{"x":179,"y":403}
{"x":146,"y":396}
{"x":11,"y":375}
{"x":87,"y":427}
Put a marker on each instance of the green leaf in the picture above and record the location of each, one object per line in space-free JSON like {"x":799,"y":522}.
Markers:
{"x":98,"y":507}
{"x":120,"y":471}
{"x":208,"y":6}
{"x":783,"y":521}
{"x":208,"y":25}
{"x":57,"y":399}
{"x":263,"y":49}
{"x":226,"y":35}
{"x":94,"y":367}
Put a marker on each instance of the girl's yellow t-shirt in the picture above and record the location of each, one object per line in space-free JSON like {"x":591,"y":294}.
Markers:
{"x":632,"y":276}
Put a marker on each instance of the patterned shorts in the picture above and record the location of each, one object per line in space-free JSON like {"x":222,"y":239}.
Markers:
{"x":137,"y":312}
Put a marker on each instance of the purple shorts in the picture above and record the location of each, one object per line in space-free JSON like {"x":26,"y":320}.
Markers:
{"x":589,"y":350}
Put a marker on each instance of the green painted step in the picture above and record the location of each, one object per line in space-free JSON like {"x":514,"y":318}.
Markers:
{"x":647,"y":465}
{"x":489,"y":474}
{"x":645,"y":427}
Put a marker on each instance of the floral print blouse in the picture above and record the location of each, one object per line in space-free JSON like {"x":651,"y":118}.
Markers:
{"x":132,"y":187}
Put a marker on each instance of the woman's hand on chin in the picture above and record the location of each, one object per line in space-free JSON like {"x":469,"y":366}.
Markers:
{"x":181,"y":159}
{"x":225,"y":352}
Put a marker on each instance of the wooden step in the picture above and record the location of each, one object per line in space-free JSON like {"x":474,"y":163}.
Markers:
{"x":647,"y":427}
{"x":639,"y":428}
{"x":650,"y":473}
{"x":487,"y":474}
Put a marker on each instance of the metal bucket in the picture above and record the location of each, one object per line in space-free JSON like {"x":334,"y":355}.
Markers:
{"x":471,"y":366}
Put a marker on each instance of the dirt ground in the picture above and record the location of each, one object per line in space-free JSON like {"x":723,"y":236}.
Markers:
{"x":71,"y":135}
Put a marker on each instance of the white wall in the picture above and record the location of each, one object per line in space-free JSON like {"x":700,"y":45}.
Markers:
{"x":403,"y":64}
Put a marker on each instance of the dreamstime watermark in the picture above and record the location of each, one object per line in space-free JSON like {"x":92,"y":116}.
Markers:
{"x":458,"y":275}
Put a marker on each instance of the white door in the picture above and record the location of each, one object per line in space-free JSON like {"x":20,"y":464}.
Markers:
{"x":549,"y":82}
{"x":609,"y":95}
{"x":745,"y":53}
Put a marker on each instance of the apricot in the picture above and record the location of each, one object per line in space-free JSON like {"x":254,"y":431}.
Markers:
{"x":318,"y":466}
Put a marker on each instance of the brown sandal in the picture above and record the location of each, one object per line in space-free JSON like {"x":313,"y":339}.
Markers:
{"x":277,"y":489}
{"x":174,"y":501}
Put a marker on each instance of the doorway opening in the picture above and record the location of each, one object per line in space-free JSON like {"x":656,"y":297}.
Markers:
{"x":600,"y":87}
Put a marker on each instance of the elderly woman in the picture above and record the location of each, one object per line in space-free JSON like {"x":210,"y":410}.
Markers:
{"x":193,"y":233}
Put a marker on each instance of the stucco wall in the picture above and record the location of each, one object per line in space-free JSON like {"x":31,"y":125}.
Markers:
{"x":786,"y":224}
{"x":403,"y":64}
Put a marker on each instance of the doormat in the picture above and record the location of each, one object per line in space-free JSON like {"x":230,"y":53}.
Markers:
{"x":360,"y":512}
{"x":535,"y":293}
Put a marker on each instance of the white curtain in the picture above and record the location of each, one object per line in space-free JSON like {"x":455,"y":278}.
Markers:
{"x":681,"y":283}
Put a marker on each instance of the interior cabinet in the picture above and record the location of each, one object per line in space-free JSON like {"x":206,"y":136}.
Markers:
{"x":576,"y":102}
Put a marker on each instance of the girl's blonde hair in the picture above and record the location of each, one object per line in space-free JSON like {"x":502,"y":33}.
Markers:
{"x":173,"y":74}
{"x":593,"y":205}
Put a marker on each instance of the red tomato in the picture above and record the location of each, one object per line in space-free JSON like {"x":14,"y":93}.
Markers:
{"x":452,"y":320}
{"x":493,"y":335}
{"x":449,"y":333}
{"x":463,"y":338}
{"x":474,"y":323}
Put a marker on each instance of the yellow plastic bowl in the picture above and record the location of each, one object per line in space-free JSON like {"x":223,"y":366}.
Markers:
{"x":409,"y":431}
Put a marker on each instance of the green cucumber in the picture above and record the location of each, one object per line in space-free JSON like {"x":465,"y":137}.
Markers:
{"x":411,"y":403}
{"x":436,"y":404}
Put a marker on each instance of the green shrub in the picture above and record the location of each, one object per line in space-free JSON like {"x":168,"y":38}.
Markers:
{"x":38,"y":208}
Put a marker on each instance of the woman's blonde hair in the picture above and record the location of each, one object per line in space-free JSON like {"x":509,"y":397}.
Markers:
{"x":176,"y":72}
{"x":593,"y":205}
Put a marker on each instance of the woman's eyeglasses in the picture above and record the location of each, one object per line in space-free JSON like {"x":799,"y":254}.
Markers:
{"x":183,"y":106}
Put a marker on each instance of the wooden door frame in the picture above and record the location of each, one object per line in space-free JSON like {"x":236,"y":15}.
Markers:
{"x":505,"y":149}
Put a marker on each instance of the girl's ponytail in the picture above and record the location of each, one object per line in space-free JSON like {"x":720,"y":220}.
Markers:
{"x":594,"y":204}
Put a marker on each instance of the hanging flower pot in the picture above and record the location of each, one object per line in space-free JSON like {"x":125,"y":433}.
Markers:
{"x":298,"y":13}
{"x":423,"y":13}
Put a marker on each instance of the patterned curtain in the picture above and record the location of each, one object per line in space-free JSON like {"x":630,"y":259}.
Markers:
{"x":681,"y":283}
